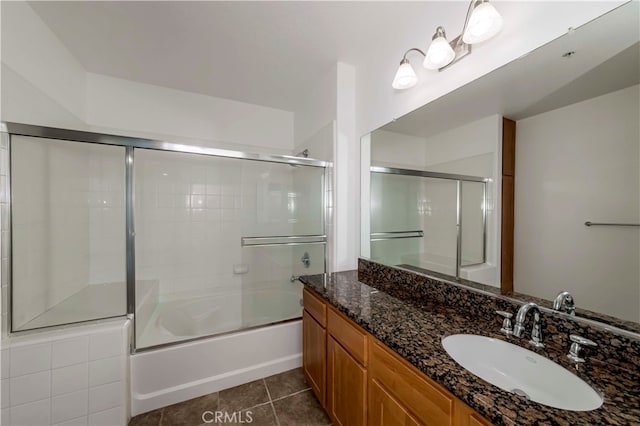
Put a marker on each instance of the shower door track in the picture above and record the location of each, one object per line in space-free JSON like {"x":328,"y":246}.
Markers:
{"x":9,"y":129}
{"x":18,"y":129}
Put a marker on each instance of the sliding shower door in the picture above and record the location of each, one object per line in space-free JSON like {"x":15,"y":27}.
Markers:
{"x":283,"y":237}
{"x":473,"y":219}
{"x":413,"y":221}
{"x":215,"y":243}
{"x":68,"y":239}
{"x":427,"y":220}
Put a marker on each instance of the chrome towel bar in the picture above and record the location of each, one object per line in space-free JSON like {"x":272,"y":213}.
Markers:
{"x":610,"y":224}
{"x":288,"y":240}
{"x":381,"y":236}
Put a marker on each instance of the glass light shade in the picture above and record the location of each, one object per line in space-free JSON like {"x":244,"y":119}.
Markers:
{"x":484,"y":23}
{"x":405,"y":76}
{"x":439,"y":54}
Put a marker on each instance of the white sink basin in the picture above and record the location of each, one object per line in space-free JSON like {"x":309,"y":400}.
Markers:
{"x":522,"y":372}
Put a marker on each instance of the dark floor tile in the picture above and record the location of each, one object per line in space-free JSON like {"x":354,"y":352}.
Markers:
{"x":189,"y":413}
{"x":152,"y":418}
{"x":286,"y":383}
{"x":300,"y":409}
{"x":243,"y":396}
{"x":261,"y":415}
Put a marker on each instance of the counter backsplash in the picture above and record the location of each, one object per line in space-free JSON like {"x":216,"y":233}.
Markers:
{"x":613,"y":349}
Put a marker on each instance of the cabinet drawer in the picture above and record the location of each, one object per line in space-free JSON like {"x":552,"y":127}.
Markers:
{"x":315,"y":306}
{"x":350,"y":336}
{"x":429,"y":403}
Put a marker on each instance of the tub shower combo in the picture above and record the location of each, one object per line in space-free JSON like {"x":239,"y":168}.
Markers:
{"x":197,"y":245}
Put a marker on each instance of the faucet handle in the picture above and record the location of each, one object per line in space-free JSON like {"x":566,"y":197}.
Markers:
{"x":577,"y":343}
{"x":536,"y":331}
{"x":507,"y":328}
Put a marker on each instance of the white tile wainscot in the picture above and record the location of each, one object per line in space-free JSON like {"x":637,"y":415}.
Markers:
{"x":77,"y":375}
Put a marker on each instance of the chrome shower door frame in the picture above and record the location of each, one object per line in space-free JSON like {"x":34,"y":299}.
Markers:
{"x":8,"y":129}
{"x":459,"y":179}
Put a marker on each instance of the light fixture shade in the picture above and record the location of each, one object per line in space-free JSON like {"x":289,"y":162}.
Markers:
{"x":405,"y":76}
{"x":439,"y":54}
{"x":484,"y":23}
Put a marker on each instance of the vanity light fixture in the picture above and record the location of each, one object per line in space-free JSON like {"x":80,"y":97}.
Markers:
{"x":481,"y":23}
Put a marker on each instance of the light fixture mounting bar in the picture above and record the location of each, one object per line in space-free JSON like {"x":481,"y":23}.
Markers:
{"x":460,"y":48}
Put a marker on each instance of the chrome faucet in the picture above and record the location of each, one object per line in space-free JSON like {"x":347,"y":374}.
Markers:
{"x":564,"y":303}
{"x":536,"y":330}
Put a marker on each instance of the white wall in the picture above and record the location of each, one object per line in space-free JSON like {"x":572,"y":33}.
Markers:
{"x":318,"y":107}
{"x":37,"y":67}
{"x":346,"y":213}
{"x":393,"y":149}
{"x":135,"y":109}
{"x":576,"y":164}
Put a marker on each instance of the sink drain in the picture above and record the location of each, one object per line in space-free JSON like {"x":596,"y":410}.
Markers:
{"x":520,"y":392}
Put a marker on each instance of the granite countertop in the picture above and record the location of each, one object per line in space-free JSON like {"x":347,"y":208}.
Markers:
{"x":414,"y":330}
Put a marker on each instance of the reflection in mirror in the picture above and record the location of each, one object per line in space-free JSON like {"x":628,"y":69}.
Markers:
{"x":575,"y":103}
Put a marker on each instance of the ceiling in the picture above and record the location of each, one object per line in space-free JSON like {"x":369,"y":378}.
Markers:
{"x":607,"y":58}
{"x":265,"y":53}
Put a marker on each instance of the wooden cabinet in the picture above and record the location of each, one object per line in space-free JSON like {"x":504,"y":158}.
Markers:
{"x":314,"y":360}
{"x":385,"y":410}
{"x":346,"y":386}
{"x":314,"y":344}
{"x":347,"y":355}
{"x":424,"y":401}
{"x":359,"y":381}
{"x":467,"y":416}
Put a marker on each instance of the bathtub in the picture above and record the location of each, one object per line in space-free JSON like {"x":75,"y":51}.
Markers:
{"x":170,"y":374}
{"x":207,"y":314}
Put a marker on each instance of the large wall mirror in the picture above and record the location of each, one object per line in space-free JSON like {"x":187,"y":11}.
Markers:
{"x":526,"y":180}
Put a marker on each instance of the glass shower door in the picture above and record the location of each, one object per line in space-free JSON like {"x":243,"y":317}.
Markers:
{"x":413,"y":221}
{"x":214,"y":251}
{"x":473,"y":219}
{"x":68,"y":239}
{"x":283,"y":238}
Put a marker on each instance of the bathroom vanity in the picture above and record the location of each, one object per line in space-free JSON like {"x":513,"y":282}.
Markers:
{"x":373,"y":354}
{"x":359,"y":380}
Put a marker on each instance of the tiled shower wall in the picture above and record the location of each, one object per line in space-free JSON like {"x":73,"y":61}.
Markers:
{"x":75,"y":376}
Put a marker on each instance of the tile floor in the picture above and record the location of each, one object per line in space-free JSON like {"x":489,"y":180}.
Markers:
{"x":281,"y":400}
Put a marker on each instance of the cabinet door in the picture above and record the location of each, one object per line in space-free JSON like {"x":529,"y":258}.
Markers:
{"x":385,"y":410}
{"x":314,"y":339}
{"x":346,"y":387}
{"x":426,"y":401}
{"x":467,"y":416}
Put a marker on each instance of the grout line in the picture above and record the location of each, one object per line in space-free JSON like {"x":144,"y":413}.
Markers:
{"x":273,"y":409}
{"x":275,"y":415}
{"x":292,"y":394}
{"x":264,"y":382}
{"x":255,"y":406}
